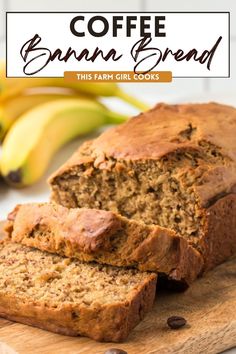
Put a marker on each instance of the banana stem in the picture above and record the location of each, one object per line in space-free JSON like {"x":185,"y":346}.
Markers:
{"x":132,"y":100}
{"x":116,"y":118}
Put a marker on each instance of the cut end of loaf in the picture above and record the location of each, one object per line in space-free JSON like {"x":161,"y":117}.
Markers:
{"x":76,"y":298}
{"x":104,"y":237}
{"x":55,"y":280}
{"x":163,"y":192}
{"x":166,"y":167}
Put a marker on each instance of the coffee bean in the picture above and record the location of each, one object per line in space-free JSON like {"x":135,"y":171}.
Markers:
{"x":115,"y":351}
{"x":176,"y":322}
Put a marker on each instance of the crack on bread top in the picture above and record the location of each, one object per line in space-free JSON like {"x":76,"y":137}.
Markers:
{"x":185,"y":134}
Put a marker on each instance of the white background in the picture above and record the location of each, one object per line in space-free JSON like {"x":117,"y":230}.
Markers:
{"x":222,"y":90}
{"x":184,"y":31}
{"x":180,"y":88}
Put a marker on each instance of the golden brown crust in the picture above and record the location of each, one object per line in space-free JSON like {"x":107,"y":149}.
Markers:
{"x":163,"y":130}
{"x":134,"y":244}
{"x":169,"y":254}
{"x":219,"y":238}
{"x":111,"y":321}
{"x":105,"y":323}
{"x":209,"y":130}
{"x":89,"y":229}
{"x":158,"y":132}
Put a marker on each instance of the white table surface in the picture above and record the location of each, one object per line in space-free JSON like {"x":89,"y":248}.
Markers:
{"x":40,"y":191}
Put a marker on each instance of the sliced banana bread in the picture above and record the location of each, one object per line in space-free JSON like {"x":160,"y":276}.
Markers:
{"x":174,"y":166}
{"x":104,"y":237}
{"x":70,"y":297}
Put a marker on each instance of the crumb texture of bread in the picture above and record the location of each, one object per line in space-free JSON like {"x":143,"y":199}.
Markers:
{"x":167,"y":167}
{"x":71,"y":297}
{"x":104,"y":237}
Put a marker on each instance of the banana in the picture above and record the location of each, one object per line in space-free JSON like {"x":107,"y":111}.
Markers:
{"x":12,"y":86}
{"x":12,"y":108}
{"x":40,"y":132}
{"x":2,"y":73}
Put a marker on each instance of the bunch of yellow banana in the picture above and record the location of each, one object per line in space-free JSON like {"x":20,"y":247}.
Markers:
{"x":35,"y":124}
{"x":10,"y":87}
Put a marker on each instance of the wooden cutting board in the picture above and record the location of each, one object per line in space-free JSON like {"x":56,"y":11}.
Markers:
{"x":209,"y":307}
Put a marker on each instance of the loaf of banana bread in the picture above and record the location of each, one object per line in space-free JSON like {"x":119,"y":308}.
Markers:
{"x":70,"y":297}
{"x":173,"y":166}
{"x":104,"y":237}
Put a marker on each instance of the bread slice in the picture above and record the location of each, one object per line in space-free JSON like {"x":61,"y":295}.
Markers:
{"x":104,"y":237}
{"x":174,"y":166}
{"x":70,"y":297}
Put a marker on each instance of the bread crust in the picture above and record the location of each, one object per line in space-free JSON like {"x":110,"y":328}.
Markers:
{"x":89,"y":229}
{"x":101,"y":322}
{"x":108,"y":323}
{"x":56,"y":229}
{"x":159,"y":134}
{"x":219,"y":237}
